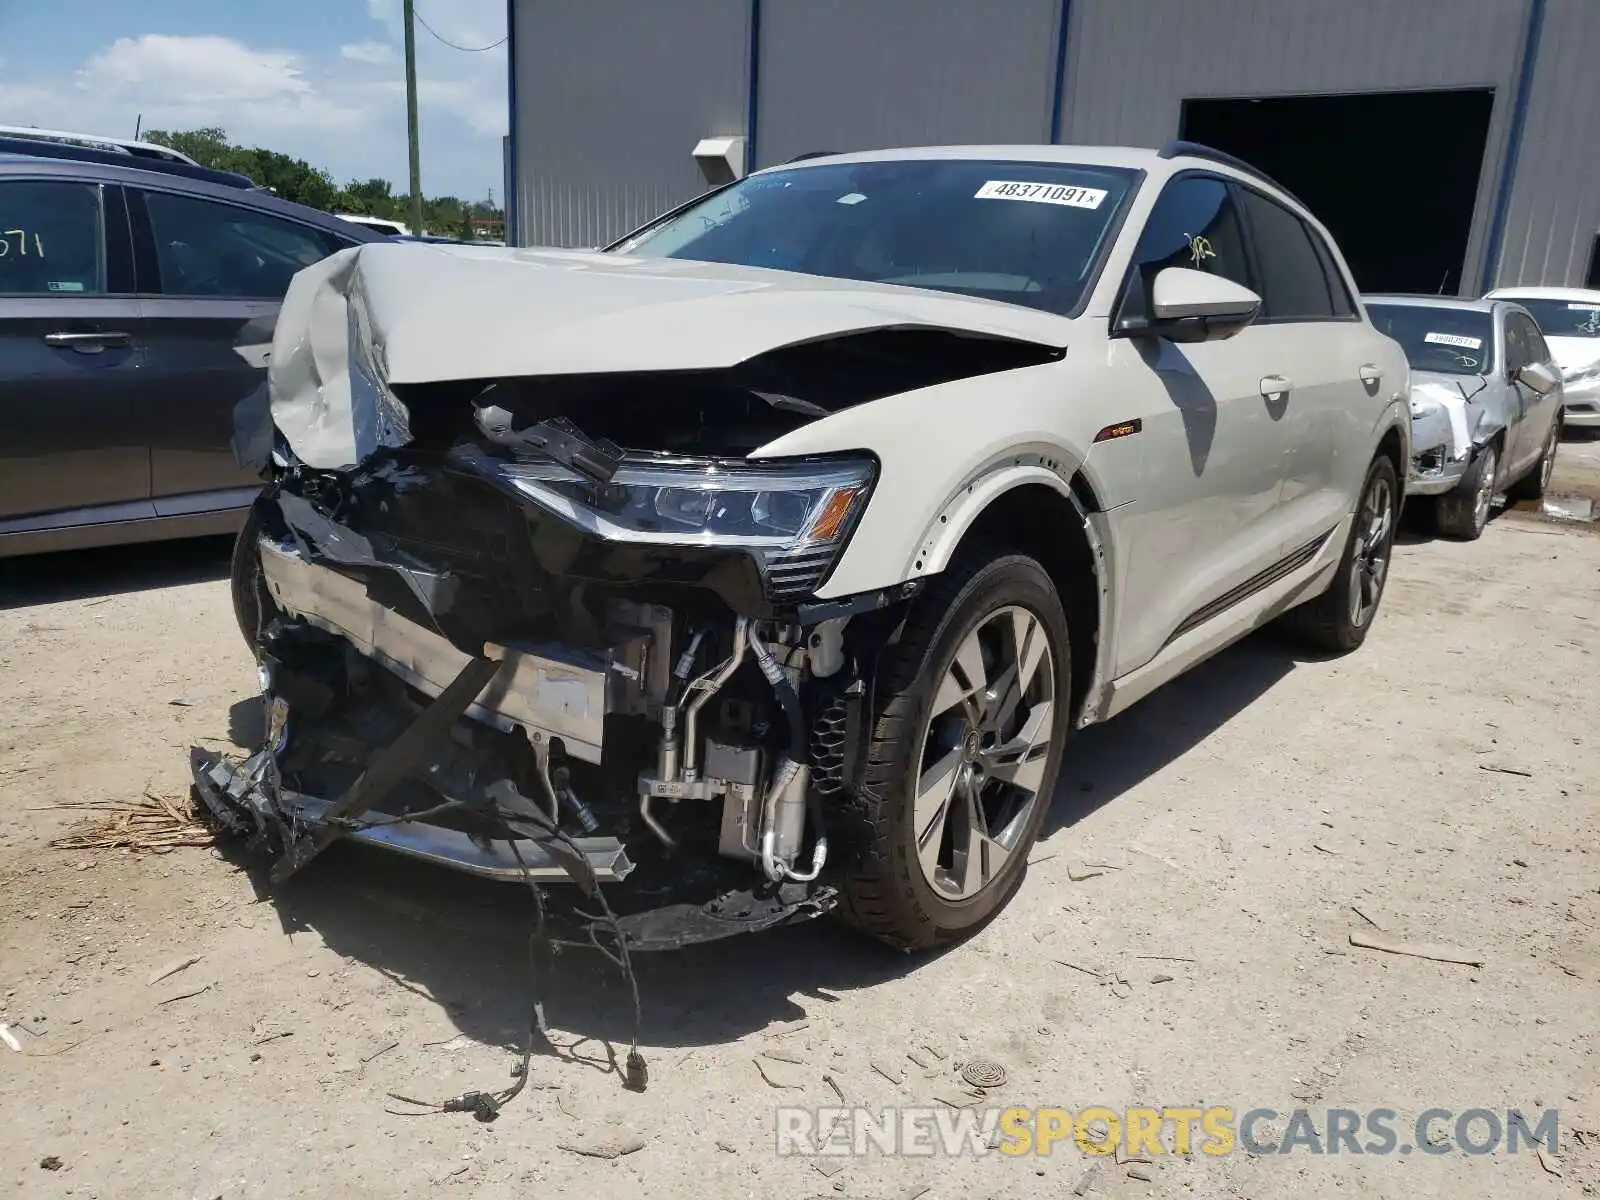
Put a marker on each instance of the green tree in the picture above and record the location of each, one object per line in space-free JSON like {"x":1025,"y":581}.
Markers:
{"x":297,"y":180}
{"x":209,"y":146}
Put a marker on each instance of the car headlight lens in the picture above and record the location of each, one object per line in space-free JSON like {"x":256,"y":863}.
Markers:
{"x":793,"y":516}
{"x":1583,"y":374}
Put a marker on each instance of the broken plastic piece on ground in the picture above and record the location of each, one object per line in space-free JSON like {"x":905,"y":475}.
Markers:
{"x":676,"y":925}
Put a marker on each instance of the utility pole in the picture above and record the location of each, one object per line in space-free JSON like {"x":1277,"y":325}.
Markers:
{"x":411,"y":116}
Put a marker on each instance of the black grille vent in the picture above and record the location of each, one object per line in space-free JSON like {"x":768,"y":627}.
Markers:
{"x":799,"y":573}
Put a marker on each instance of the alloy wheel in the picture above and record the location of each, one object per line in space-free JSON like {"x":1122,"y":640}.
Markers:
{"x":1369,"y":565}
{"x":1485,"y":496}
{"x":985,"y":750}
{"x":1547,"y":468}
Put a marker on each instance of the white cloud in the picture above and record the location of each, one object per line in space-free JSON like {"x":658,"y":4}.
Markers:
{"x":342,"y":108}
{"x":376,"y":53}
{"x":195,"y":70}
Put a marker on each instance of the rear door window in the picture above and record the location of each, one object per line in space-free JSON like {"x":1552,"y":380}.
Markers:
{"x":1195,"y":224}
{"x":1294,"y":283}
{"x":206,"y":248}
{"x":52,"y":238}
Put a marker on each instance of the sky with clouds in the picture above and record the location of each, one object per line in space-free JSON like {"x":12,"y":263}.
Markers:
{"x":322,"y":80}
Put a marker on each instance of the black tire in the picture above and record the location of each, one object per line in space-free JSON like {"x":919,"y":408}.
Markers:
{"x":885,"y":891}
{"x":252,"y":603}
{"x":1463,"y":513}
{"x":1532,"y":485}
{"x":1329,"y":622}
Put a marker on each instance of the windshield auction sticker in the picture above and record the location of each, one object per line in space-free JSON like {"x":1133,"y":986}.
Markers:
{"x":1454,"y":339}
{"x":1041,"y":193}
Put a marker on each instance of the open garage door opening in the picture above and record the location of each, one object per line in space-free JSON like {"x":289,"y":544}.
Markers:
{"x":1393,"y":175}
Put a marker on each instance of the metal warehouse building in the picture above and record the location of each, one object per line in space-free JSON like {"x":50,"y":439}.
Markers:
{"x":1450,"y":145}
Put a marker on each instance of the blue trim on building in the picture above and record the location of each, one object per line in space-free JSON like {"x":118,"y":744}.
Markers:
{"x":753,"y":99}
{"x":1519,"y":118}
{"x":1060,"y":89}
{"x":513,"y":182}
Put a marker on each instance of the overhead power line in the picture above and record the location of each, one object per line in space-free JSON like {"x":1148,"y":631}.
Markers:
{"x":454,"y":46}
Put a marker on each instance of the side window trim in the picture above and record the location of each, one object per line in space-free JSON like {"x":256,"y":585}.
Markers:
{"x":1319,"y":250}
{"x":146,"y":266}
{"x":1339,"y":291}
{"x":121,"y":279}
{"x":1130,"y":272}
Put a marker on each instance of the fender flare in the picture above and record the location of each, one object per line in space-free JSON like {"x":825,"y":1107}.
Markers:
{"x":944,"y":531}
{"x":962,"y":509}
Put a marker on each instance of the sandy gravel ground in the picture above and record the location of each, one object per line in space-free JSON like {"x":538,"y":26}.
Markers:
{"x":1241,"y":816}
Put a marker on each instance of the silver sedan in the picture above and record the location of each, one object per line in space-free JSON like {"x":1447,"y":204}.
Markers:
{"x":1486,"y":403}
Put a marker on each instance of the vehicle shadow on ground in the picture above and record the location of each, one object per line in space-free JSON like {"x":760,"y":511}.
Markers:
{"x":1105,"y":761}
{"x":463,"y":942}
{"x":110,"y":570}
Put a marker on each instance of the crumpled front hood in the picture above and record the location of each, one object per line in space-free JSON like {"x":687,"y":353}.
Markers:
{"x":392,"y":313}
{"x":1444,"y":411}
{"x":1437,"y":386}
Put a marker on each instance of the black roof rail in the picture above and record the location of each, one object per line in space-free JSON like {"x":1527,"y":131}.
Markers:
{"x":38,"y":148}
{"x":1174,"y":149}
{"x":810,"y":154}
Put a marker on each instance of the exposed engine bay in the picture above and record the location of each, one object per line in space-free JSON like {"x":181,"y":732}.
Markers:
{"x":668,"y":721}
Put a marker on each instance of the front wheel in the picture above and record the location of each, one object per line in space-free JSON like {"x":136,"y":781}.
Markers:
{"x":1338,"y":620}
{"x":1464,"y":512}
{"x":962,"y":755}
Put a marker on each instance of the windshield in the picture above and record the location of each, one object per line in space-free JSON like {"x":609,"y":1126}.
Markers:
{"x":1563,"y":318}
{"x":1456,"y":341}
{"x":1023,"y":232}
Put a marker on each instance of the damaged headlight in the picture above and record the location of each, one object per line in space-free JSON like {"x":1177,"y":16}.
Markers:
{"x":793,"y":516}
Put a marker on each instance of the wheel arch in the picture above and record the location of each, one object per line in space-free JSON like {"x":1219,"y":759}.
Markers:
{"x":1038,"y":513}
{"x":1393,"y":444}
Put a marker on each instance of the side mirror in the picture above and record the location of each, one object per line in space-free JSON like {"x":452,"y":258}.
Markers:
{"x":1539,"y":377}
{"x":1191,"y":306}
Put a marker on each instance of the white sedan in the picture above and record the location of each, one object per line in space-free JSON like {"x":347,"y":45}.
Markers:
{"x":1570,"y":321}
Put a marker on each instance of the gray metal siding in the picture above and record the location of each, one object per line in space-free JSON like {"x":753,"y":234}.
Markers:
{"x":612,"y":96}
{"x":849,"y":75}
{"x":1555,"y":203}
{"x":1131,"y":66}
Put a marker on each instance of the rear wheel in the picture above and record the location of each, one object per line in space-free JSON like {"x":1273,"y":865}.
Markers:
{"x":1532,"y":486}
{"x":1464,"y":512}
{"x":962,"y":756}
{"x":1338,"y":619}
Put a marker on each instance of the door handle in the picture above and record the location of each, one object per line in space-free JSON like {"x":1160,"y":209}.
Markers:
{"x":1275,"y":385}
{"x":88,"y":341}
{"x":1371,"y":374}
